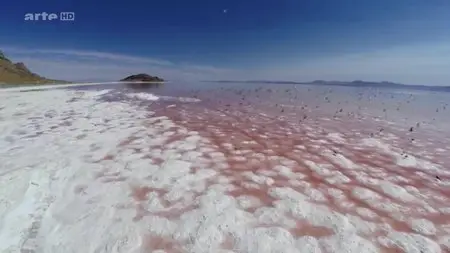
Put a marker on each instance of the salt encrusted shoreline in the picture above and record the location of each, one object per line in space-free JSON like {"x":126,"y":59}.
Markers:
{"x":80,"y":175}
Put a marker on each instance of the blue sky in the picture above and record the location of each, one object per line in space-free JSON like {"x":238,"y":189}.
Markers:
{"x":403,"y":40}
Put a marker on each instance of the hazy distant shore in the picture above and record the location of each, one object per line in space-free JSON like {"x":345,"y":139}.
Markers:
{"x":367,"y":84}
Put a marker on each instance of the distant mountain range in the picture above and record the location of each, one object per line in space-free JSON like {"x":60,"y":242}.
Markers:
{"x":357,"y":83}
{"x":17,"y":73}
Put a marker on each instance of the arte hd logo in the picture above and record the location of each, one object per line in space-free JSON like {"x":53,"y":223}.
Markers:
{"x":50,"y":16}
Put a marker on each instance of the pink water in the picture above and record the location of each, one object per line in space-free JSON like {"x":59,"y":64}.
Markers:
{"x":378,"y":155}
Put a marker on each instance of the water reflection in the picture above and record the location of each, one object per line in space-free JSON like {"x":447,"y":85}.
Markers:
{"x":144,"y":86}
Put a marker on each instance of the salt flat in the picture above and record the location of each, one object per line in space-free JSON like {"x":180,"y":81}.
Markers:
{"x":82,"y":175}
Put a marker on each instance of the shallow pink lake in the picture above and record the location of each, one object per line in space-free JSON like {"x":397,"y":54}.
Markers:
{"x":279,"y":168}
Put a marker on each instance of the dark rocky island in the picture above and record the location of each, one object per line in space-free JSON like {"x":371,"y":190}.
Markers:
{"x":142,"y":78}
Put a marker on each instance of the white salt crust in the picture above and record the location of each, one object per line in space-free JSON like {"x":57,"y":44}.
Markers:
{"x":72,"y":181}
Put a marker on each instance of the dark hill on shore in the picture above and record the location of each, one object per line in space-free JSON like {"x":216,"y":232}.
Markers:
{"x":17,"y":73}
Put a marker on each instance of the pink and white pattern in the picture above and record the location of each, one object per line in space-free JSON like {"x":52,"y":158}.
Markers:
{"x":81,"y":175}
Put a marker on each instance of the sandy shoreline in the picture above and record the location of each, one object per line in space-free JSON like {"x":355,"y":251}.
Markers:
{"x":83,"y":175}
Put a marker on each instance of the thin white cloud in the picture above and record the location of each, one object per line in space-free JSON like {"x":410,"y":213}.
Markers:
{"x":76,"y":65}
{"x":210,"y":69}
{"x":426,"y":64}
{"x":83,"y":54}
